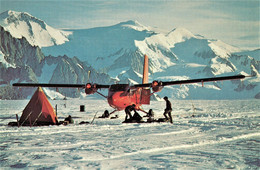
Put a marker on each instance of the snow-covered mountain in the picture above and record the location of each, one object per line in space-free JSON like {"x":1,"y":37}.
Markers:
{"x":22,"y":62}
{"x":36,"y":31}
{"x":179,"y":54}
{"x":176,"y":55}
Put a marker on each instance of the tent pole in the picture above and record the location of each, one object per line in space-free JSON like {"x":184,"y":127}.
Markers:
{"x":56,"y":109}
{"x":30,"y":120}
{"x":17,"y":120}
{"x":26,"y":118}
{"x":37,"y":118}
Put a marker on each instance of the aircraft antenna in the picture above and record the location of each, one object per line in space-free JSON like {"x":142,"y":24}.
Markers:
{"x":89,"y":75}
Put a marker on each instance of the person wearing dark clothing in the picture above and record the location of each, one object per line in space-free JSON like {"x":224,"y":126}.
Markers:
{"x":69,"y":119}
{"x":137,"y":118}
{"x":168,"y":109}
{"x":128,"y":111}
{"x":105,"y":114}
{"x":150,"y":115}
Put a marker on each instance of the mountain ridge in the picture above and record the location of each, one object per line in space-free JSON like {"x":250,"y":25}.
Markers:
{"x":22,"y":62}
{"x":36,"y":31}
{"x":179,"y":54}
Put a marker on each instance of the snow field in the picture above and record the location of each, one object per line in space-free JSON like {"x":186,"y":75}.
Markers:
{"x":221,"y":135}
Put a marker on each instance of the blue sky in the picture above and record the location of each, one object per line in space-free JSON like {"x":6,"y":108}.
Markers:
{"x":235,"y":22}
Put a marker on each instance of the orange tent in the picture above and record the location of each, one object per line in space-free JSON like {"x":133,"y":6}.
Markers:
{"x":38,"y":111}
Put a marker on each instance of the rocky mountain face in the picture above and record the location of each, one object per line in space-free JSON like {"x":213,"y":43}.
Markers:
{"x":22,"y":62}
{"x":18,"y":61}
{"x":74,"y":71}
{"x":116,"y":53}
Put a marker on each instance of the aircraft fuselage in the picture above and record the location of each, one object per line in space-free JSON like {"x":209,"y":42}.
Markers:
{"x":120,"y":96}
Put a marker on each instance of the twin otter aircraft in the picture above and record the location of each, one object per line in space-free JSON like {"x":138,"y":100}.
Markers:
{"x":122,"y":95}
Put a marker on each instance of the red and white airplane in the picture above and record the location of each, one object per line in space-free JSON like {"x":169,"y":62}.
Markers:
{"x":122,"y":95}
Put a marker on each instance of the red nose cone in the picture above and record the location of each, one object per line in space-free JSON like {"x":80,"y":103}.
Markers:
{"x":155,"y":83}
{"x":88,"y":86}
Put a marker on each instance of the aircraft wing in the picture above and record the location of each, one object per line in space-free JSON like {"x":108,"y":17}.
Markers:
{"x":179,"y":82}
{"x":153,"y":84}
{"x":58,"y":85}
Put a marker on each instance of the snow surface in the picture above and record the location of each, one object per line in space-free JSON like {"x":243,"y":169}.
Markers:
{"x":224,"y":134}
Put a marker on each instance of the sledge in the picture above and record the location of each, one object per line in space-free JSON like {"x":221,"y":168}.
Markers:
{"x":114,"y":117}
{"x":160,"y":120}
{"x":133,"y":121}
{"x":102,"y":117}
{"x":12,"y":124}
{"x":32,"y":124}
{"x":84,"y":122}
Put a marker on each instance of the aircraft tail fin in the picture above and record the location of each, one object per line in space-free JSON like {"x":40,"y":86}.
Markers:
{"x":145,"y":71}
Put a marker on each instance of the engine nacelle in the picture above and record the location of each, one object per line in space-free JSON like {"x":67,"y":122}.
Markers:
{"x":90,"y":88}
{"x":157,"y":86}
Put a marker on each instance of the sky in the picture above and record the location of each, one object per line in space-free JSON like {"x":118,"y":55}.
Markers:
{"x":235,"y":22}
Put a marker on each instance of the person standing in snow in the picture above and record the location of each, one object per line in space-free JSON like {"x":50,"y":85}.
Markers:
{"x":168,"y":109}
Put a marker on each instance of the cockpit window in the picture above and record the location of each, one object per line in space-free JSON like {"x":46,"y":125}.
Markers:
{"x":119,"y":87}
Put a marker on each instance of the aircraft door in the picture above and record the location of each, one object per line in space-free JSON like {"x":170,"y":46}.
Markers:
{"x":145,"y":96}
